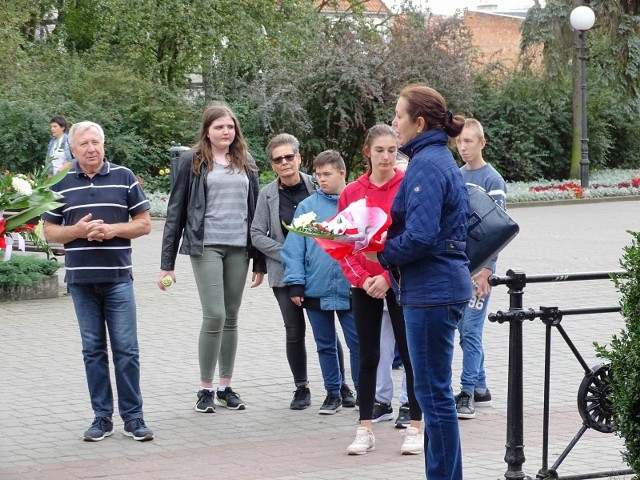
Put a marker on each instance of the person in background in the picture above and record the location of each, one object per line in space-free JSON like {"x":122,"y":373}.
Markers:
{"x":425,"y":253}
{"x":104,"y":209}
{"x":58,"y":151}
{"x":371,"y":287}
{"x":316,"y":282}
{"x":382,"y":409}
{"x":473,"y":381}
{"x":212,"y":204}
{"x":276,"y":204}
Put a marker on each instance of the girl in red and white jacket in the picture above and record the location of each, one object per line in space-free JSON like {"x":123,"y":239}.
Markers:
{"x":371,"y":286}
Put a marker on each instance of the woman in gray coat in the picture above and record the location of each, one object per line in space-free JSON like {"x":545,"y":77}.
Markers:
{"x":277,"y":202}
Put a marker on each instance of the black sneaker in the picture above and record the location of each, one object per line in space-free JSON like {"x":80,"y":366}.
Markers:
{"x":100,"y":428}
{"x":465,"y":406}
{"x":301,"y":398}
{"x":348,"y":400}
{"x":230,"y":399}
{"x":404,"y":416}
{"x":381,"y":412}
{"x":138,"y":430}
{"x":482,"y":399}
{"x":331,"y":405}
{"x":204,"y":402}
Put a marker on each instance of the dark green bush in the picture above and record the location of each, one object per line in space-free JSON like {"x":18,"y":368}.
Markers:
{"x":623,"y":354}
{"x":140,"y":118}
{"x":528,"y":131}
{"x":26,"y":269}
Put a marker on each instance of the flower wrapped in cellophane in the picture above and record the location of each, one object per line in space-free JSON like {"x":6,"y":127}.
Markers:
{"x":358,"y":228}
{"x":23,"y":198}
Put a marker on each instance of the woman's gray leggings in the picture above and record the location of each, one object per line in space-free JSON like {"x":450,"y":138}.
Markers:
{"x":220,"y":274}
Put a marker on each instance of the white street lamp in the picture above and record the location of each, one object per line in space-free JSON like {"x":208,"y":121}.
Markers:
{"x":582,"y":19}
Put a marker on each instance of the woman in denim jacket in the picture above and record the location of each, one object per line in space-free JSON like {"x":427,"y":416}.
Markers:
{"x":425,"y":252}
{"x":58,"y":150}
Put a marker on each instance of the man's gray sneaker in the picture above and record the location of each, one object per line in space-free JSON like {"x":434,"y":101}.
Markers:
{"x":138,"y":430}
{"x":100,"y":428}
{"x":465,"y":406}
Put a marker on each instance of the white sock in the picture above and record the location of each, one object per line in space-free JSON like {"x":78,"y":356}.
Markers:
{"x":222,"y":388}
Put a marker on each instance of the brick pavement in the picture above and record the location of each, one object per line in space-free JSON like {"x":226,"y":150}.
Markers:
{"x":44,"y":406}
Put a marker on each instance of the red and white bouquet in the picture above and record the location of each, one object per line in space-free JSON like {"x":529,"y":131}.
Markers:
{"x":358,"y":228}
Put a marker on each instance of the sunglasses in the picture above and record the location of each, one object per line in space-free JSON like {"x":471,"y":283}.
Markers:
{"x":289,"y":158}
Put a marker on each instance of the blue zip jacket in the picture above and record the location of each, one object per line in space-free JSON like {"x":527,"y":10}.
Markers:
{"x":307,"y":265}
{"x":425,"y":248}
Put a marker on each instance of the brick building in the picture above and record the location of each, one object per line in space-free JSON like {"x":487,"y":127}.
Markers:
{"x":496,"y":35}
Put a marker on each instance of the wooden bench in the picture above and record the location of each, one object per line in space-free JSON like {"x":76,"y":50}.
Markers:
{"x":57,"y":249}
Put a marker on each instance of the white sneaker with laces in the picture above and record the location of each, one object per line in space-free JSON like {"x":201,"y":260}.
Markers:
{"x":413,"y":443}
{"x":363,"y":443}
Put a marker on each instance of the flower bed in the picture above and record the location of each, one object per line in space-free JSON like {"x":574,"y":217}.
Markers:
{"x":607,"y":183}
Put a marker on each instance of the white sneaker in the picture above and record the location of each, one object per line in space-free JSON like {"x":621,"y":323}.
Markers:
{"x":363,"y":443}
{"x":413,"y":443}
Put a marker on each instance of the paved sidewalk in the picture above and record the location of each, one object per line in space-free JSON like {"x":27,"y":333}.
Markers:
{"x":44,"y":405}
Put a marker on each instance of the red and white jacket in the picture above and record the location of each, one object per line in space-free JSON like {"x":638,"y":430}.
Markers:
{"x":356,"y":267}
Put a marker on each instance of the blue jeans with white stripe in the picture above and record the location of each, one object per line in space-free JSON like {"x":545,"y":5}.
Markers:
{"x":102,"y":308}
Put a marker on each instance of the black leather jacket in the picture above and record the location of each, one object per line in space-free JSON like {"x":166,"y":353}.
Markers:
{"x":185,"y":215}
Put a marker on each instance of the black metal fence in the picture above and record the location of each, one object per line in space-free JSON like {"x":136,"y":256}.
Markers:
{"x":594,"y":405}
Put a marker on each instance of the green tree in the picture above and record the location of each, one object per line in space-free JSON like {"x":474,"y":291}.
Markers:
{"x":614,"y":58}
{"x":623,"y":353}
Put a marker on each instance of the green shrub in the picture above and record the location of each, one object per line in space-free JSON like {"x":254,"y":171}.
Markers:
{"x":26,"y":269}
{"x":624,"y":355}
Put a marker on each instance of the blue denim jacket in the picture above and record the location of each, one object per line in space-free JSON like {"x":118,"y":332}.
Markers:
{"x":65,"y":145}
{"x":425,"y":248}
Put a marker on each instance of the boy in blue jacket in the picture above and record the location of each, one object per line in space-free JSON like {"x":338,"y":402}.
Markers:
{"x":316,"y":281}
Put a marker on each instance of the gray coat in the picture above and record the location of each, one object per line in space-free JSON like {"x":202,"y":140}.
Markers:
{"x":266,"y":229}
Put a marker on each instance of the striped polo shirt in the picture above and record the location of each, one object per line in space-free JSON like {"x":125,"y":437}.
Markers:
{"x":113,"y":195}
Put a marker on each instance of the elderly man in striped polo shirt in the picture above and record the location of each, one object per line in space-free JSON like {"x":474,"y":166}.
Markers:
{"x":105,"y":208}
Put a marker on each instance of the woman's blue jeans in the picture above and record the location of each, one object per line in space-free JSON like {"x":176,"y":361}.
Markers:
{"x":102,"y":308}
{"x":326,"y":337}
{"x":430,"y":335}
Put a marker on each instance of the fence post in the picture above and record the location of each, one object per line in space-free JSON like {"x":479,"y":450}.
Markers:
{"x":514,"y":455}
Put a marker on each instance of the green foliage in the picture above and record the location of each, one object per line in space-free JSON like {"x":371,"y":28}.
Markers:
{"x":26,"y":269}
{"x":526,"y":128}
{"x":140,"y":117}
{"x":623,"y":353}
{"x":286,"y":66}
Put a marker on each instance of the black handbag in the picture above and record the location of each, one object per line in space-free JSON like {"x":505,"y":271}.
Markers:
{"x":490,"y":228}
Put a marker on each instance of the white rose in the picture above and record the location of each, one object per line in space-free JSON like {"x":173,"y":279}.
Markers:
{"x":304,"y":220}
{"x":21,"y":186}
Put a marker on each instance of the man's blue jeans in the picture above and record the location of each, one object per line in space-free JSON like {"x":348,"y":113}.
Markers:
{"x":470,"y":327}
{"x":102,"y":308}
{"x":430,"y":335}
{"x":326,"y":337}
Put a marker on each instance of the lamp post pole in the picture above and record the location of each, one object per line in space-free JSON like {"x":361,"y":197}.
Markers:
{"x":584,"y":159}
{"x":582,"y":19}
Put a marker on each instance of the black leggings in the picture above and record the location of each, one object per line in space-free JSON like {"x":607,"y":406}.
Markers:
{"x":368,"y":314}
